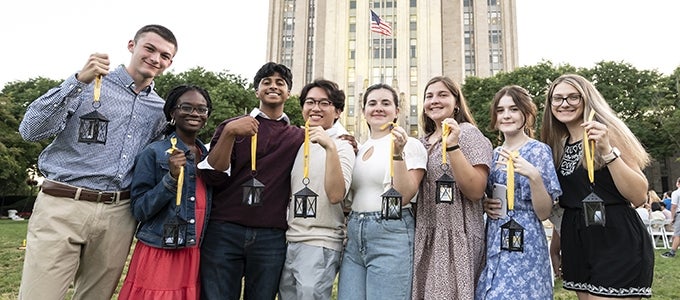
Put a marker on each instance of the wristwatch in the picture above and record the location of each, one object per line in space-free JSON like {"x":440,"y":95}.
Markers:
{"x":611,"y":156}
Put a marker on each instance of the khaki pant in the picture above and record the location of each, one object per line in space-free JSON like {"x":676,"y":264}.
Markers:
{"x":82,"y":242}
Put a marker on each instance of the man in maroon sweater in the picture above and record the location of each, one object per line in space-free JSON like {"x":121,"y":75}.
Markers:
{"x":241,"y":240}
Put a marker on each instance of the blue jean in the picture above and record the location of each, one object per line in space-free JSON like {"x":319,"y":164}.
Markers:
{"x":378,"y":259}
{"x":230,"y":251}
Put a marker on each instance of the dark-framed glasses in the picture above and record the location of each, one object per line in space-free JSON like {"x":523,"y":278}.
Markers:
{"x":572,"y":99}
{"x":323,"y":103}
{"x":188,"y":109}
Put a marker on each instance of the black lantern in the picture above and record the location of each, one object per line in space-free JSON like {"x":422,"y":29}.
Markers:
{"x":593,"y":210}
{"x":174,"y":233}
{"x":305,"y":202}
{"x":391,"y":205}
{"x":445,"y":187}
{"x":252,"y":192}
{"x":512,"y":236}
{"x":93,"y":128}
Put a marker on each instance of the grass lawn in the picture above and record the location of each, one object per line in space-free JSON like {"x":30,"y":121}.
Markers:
{"x":666,"y":271}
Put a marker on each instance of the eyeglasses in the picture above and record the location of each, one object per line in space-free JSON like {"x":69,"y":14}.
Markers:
{"x":188,"y":109}
{"x":572,"y":99}
{"x":323,"y":104}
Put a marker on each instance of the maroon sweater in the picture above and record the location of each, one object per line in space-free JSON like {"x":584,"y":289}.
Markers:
{"x":277,"y":146}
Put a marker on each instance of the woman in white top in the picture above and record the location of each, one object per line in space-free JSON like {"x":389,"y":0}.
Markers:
{"x":378,"y":259}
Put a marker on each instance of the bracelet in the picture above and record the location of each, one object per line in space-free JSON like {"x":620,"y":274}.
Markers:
{"x":452,"y":148}
{"x":611,"y":161}
{"x":397,"y":157}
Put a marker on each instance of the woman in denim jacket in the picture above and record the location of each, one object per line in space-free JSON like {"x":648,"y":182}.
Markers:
{"x":165,"y":261}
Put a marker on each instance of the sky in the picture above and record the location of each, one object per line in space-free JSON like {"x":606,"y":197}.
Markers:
{"x":53,"y":39}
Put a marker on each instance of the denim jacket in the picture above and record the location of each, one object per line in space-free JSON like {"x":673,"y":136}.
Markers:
{"x":154,"y":193}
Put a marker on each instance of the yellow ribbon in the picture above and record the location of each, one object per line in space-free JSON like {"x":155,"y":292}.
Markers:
{"x":180,"y":178}
{"x":391,"y":147}
{"x":306,"y":150}
{"x":510,"y":174}
{"x":253,"y":151}
{"x":97,"y":87}
{"x":589,"y":149}
{"x":445,"y":134}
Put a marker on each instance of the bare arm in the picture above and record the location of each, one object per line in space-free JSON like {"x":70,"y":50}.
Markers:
{"x":335,"y":189}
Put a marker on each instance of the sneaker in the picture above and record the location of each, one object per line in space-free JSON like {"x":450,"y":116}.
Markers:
{"x":668,"y":254}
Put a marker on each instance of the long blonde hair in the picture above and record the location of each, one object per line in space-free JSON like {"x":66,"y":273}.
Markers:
{"x":554,"y":133}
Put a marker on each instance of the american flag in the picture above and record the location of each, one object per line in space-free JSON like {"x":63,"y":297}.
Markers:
{"x":380,"y":26}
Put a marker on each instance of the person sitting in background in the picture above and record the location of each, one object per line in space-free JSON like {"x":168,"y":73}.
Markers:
{"x":659,"y":212}
{"x":667,"y":200}
{"x":643,"y":212}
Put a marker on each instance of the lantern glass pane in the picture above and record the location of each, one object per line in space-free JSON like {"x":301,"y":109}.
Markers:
{"x":445,"y":192}
{"x":517,"y":239}
{"x":300,"y":203}
{"x":252,"y":195}
{"x":311,"y":207}
{"x":88,"y":130}
{"x":505,"y":239}
{"x":174,"y":234}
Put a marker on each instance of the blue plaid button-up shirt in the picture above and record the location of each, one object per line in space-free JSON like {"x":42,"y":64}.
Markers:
{"x":135,"y":120}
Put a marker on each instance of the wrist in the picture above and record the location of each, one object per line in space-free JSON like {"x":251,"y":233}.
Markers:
{"x":397,"y":157}
{"x":611,"y":156}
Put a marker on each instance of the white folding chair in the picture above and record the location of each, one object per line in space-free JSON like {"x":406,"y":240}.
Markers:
{"x":658,"y":232}
{"x":669,"y":233}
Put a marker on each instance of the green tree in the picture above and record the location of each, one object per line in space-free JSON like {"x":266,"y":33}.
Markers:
{"x":642,"y":99}
{"x":479,"y":92}
{"x":17,"y":156}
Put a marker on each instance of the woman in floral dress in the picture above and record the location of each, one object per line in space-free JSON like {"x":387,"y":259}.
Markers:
{"x":449,"y":237}
{"x":522,"y":274}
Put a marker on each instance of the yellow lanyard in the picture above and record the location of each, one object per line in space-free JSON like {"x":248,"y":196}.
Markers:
{"x":391,"y":147}
{"x":180,"y":179}
{"x":445,"y":134}
{"x":97,"y":87}
{"x":253,"y":151}
{"x":589,"y":149}
{"x":510,"y":174}
{"x":306,"y":150}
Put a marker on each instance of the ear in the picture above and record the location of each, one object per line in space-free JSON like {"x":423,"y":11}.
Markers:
{"x":131,"y":45}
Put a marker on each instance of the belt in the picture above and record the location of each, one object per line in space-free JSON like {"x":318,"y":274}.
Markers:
{"x":58,"y":189}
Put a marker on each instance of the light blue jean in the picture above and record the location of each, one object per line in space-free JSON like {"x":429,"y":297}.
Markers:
{"x":378,"y":258}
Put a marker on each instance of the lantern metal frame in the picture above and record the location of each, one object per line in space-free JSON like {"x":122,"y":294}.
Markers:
{"x":391,"y":205}
{"x":252,"y":192}
{"x":594,"y":210}
{"x":305,"y":201}
{"x":445,"y":187}
{"x":93,"y":126}
{"x":512,"y":236}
